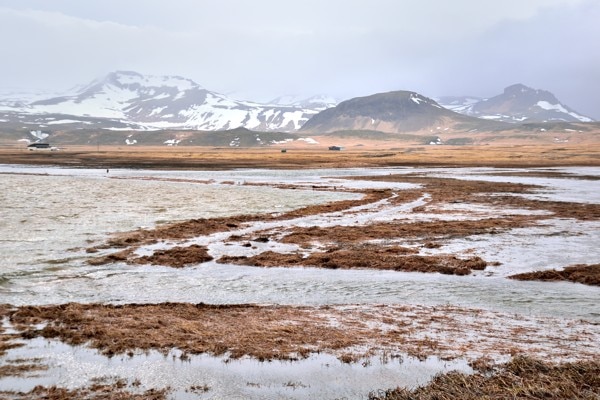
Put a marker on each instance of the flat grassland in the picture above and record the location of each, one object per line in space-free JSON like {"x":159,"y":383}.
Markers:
{"x":272,"y":157}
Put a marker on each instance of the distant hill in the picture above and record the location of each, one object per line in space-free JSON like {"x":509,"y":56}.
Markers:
{"x":399,"y":111}
{"x":517,"y":104}
{"x":233,"y":138}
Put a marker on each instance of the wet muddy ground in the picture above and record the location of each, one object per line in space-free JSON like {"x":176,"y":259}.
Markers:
{"x":480,"y":227}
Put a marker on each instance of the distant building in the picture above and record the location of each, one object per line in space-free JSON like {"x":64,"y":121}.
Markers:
{"x":335,"y":148}
{"x":41,"y":146}
{"x":34,"y":146}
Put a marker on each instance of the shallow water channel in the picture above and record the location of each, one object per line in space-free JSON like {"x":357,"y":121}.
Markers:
{"x":49,"y":216}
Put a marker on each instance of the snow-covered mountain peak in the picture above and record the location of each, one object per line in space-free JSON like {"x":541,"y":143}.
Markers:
{"x":525,"y":93}
{"x":138,"y":85}
{"x":168,"y":102}
{"x":518,"y":103}
{"x":134,"y":80}
{"x":518,"y":88}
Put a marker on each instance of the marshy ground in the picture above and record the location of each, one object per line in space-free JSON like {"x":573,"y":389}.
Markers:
{"x":431,"y":222}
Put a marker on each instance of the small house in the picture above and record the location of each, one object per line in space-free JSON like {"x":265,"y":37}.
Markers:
{"x":335,"y":148}
{"x":38,"y":146}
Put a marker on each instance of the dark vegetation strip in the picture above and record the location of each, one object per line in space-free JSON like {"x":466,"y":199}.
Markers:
{"x":580,"y":273}
{"x":522,"y":378}
{"x":394,"y":258}
{"x":452,"y":190}
{"x":92,"y":392}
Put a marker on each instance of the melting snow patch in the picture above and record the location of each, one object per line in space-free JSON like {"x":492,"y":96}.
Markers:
{"x":309,"y":140}
{"x":67,"y":121}
{"x":491,"y":116}
{"x":415,"y":98}
{"x":281,"y":141}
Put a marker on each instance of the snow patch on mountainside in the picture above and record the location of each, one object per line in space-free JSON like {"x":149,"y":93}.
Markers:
{"x":559,"y":107}
{"x":517,"y":104}
{"x":168,"y":102}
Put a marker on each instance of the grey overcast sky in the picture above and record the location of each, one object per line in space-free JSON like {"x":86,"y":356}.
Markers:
{"x":261,"y":49}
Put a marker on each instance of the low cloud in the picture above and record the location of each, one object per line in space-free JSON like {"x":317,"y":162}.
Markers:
{"x":262,"y":49}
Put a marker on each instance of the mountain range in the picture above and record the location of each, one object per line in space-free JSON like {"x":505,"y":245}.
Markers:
{"x":128,"y":100}
{"x":136,"y":104}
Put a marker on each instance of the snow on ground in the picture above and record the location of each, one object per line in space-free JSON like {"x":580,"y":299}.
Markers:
{"x":68,"y":121}
{"x":309,"y":140}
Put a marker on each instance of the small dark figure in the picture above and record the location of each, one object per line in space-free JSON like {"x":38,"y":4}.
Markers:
{"x":107,"y":170}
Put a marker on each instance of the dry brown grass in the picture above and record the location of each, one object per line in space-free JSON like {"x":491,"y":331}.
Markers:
{"x":426,"y":231}
{"x":92,"y":392}
{"x":181,"y":256}
{"x":396,"y":154}
{"x":547,"y":174}
{"x":176,"y":257}
{"x":7,"y":341}
{"x":266,"y":333}
{"x":450,"y":190}
{"x":393,"y":258}
{"x":521,"y":378}
{"x":581,"y":273}
{"x":21,"y":367}
{"x":292,"y":332}
{"x":349,"y":246}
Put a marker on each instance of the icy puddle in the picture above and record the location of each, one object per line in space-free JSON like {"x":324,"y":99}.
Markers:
{"x":319,"y":376}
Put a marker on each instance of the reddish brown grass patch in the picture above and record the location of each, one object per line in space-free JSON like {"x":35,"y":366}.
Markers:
{"x":93,"y":392}
{"x":581,"y":273}
{"x":176,"y":257}
{"x":521,"y":378}
{"x":393,"y":258}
